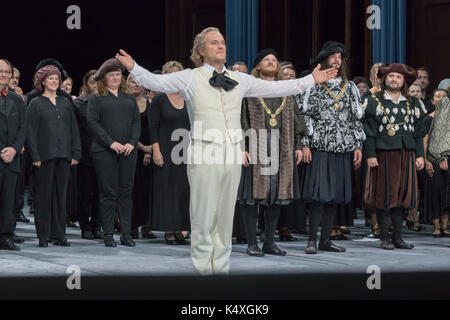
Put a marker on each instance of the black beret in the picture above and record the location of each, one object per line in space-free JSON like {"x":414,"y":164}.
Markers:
{"x":262,"y":54}
{"x":329,"y":48}
{"x":109,"y":65}
{"x":409,"y":73}
{"x":52,"y":62}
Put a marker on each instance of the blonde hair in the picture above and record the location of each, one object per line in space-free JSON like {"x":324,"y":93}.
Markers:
{"x":102,"y":90}
{"x":169,"y":65}
{"x":278,"y":76}
{"x":199,"y":43}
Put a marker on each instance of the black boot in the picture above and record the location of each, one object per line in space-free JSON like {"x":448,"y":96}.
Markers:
{"x":87,"y":234}
{"x":20,"y":217}
{"x":400,"y":244}
{"x":109,"y":241}
{"x":126,"y":240}
{"x":386,"y":245}
{"x":330,"y":246}
{"x":8,"y":244}
{"x":62,"y":242}
{"x":250,"y":219}
{"x":271,"y":216}
{"x":311,"y":248}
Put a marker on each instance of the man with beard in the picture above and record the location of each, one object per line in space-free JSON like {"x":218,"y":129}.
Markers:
{"x":394,"y":149}
{"x":213,"y":98}
{"x":332,"y":148}
{"x":269,"y":118}
{"x":12,"y":138}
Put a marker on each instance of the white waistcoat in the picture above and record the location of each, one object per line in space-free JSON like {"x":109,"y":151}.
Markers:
{"x":216,"y":112}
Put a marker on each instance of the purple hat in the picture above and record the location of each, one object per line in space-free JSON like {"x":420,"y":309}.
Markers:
{"x":43,"y":73}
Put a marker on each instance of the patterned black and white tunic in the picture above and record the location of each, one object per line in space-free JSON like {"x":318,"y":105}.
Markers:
{"x":330,"y":129}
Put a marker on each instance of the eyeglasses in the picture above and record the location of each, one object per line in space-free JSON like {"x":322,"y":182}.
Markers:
{"x":5,"y":71}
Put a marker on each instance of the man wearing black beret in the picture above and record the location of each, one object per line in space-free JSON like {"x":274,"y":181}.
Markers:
{"x":333,"y":115}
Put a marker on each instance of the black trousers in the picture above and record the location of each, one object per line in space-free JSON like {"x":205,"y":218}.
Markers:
{"x":8,"y":180}
{"x":51,"y":181}
{"x":397,"y":215}
{"x":88,"y":195}
{"x":271,"y":216}
{"x":115,"y":175}
{"x":20,"y":186}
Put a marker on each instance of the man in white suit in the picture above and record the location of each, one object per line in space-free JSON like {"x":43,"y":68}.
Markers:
{"x":213,"y":97}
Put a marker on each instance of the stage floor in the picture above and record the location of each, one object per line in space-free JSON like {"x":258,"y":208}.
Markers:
{"x":154,"y":257}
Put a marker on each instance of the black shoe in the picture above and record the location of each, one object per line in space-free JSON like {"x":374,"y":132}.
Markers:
{"x":273,"y":249}
{"x":287,"y":236}
{"x":400,"y":244}
{"x":187,"y":237}
{"x":445,"y":233}
{"x":342,"y":237}
{"x":8,"y":244}
{"x":330,"y":246}
{"x":43,"y":243}
{"x":109,"y":241}
{"x":179,"y":238}
{"x":409,"y":224}
{"x":346,"y":231}
{"x":148,"y":234}
{"x":386,"y":245}
{"x":98,"y":234}
{"x":16,"y":239}
{"x":241,"y":240}
{"x":255,"y":251}
{"x":127,"y":240}
{"x":438,"y":235}
{"x":20,"y":217}
{"x":170,"y":241}
{"x":311,"y":248}
{"x":71,"y":224}
{"x":87,"y":234}
{"x":62,"y":243}
{"x":417,"y":229}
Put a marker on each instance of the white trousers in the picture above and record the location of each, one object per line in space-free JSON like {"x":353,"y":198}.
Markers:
{"x":213,"y":194}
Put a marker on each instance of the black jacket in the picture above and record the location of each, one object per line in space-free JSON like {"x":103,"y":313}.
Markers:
{"x":12,"y":113}
{"x":113,"y":119}
{"x":81,"y":105}
{"x":52,"y":130}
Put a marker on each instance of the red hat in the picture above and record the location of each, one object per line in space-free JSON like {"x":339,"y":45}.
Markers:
{"x":43,"y":73}
{"x":109,"y":65}
{"x":409,"y":73}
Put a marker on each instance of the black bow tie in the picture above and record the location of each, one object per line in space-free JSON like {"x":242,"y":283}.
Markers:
{"x":220,"y":80}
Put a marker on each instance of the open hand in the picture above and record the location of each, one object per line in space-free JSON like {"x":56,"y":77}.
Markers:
{"x":324,"y":75}
{"x":125,"y":59}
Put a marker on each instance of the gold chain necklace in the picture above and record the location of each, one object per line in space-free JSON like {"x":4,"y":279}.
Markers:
{"x":339,"y":97}
{"x":391,"y":130}
{"x":273,"y":122}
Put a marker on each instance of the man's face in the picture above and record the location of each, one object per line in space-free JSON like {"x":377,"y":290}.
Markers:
{"x":424,"y":78}
{"x":240,"y":68}
{"x":288,"y":74}
{"x":215,"y":50}
{"x":268,"y":66}
{"x":5,"y":74}
{"x":335,"y":60}
{"x":394,"y":81}
{"x":438,"y":96}
{"x":14,"y":80}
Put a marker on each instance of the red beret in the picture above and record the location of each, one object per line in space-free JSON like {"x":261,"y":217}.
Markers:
{"x":43,"y":73}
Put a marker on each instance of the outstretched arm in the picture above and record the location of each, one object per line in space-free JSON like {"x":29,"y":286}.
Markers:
{"x":176,"y":82}
{"x":254,"y":87}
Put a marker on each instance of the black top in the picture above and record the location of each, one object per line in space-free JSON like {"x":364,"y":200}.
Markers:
{"x":81,"y":105}
{"x":12,"y":127}
{"x":113,"y":119}
{"x":145,"y":132}
{"x":52,"y":130}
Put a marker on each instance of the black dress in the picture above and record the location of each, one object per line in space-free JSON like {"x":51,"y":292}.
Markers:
{"x":170,"y":209}
{"x":143,"y":177}
{"x":435,"y":189}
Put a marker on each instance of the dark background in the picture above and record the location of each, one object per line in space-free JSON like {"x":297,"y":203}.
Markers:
{"x":160,"y":30}
{"x":37,"y":30}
